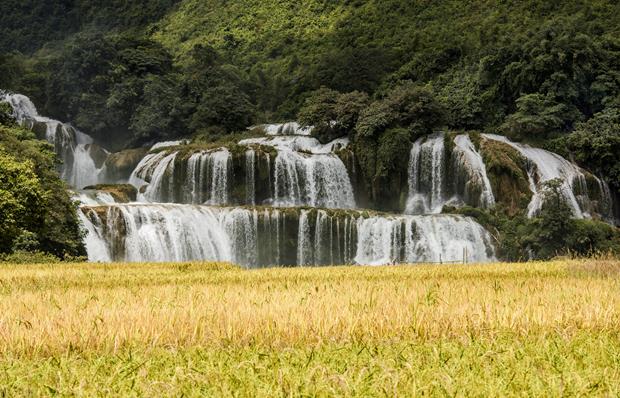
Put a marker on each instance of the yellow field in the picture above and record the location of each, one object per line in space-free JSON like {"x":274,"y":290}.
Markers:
{"x":207,"y":329}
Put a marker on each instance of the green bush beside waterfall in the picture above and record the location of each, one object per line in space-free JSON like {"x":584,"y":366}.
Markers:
{"x":36,"y":212}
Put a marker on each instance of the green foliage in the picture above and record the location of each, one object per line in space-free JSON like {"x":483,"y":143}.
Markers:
{"x":26,"y":25}
{"x":332,"y":113}
{"x":20,"y":199}
{"x":36,"y":212}
{"x":406,"y":106}
{"x":596,"y":143}
{"x":551,"y":228}
{"x":553,"y":232}
{"x":536,"y":68}
{"x":537,"y":116}
{"x":29,"y":256}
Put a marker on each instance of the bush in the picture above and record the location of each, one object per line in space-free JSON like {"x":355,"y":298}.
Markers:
{"x":407,"y":106}
{"x":25,"y":257}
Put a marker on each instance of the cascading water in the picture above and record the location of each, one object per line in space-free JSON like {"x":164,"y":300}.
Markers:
{"x":159,"y":232}
{"x":202,"y":178}
{"x":289,"y":128}
{"x":470,"y":173}
{"x":307,"y":173}
{"x":426,"y":182}
{"x":413,"y":239}
{"x":435,"y":180}
{"x":544,"y":166}
{"x":75,"y":149}
{"x":311,"y":180}
{"x":250,"y":177}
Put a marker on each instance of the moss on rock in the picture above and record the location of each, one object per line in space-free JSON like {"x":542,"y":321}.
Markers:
{"x":506,"y":169}
{"x":122,"y":193}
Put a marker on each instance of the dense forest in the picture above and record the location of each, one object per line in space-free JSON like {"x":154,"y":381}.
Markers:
{"x":381,"y":72}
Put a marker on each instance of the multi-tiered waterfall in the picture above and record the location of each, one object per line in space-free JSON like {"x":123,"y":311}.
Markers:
{"x":283,"y":198}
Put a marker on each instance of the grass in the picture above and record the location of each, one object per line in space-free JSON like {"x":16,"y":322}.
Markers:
{"x":195,"y":329}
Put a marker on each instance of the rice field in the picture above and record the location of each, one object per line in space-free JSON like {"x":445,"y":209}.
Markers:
{"x":208,"y":329}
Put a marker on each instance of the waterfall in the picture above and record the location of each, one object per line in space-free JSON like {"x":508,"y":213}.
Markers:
{"x":155,"y":170}
{"x":415,"y":239}
{"x":473,"y":184}
{"x":426,"y":176}
{"x":544,"y":166}
{"x":436,"y":180}
{"x":307,"y":173}
{"x":304,"y":245}
{"x":311,"y":180}
{"x":289,"y":128}
{"x":250,"y":177}
{"x":299,"y":144}
{"x":97,"y":246}
{"x":241,"y":226}
{"x":256,"y":237}
{"x":73,"y":147}
{"x":94,"y":198}
{"x":202,"y":178}
{"x":207,"y":175}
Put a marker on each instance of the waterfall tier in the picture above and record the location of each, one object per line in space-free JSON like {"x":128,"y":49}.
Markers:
{"x":441,"y":175}
{"x":289,"y":128}
{"x":82,"y":161}
{"x":586,"y":194}
{"x":250,"y":174}
{"x":260,"y":236}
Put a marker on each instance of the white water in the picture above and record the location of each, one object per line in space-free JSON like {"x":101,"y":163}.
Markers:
{"x":467,"y":157}
{"x":299,"y":144}
{"x":289,"y":128}
{"x":206,"y":178}
{"x":414,"y":239}
{"x":311,"y":180}
{"x":72,"y":146}
{"x":426,"y":166}
{"x":304,"y":244}
{"x":436,"y":181}
{"x":183,"y":232}
{"x":96,"y":246}
{"x":544,"y":166}
{"x":250,"y":177}
{"x":93,"y":198}
{"x":308,"y":173}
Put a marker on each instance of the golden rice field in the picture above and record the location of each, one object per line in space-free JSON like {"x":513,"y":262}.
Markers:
{"x":199,"y":329}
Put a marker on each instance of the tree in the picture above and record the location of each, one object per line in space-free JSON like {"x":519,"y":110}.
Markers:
{"x":553,"y":225}
{"x":22,"y":200}
{"x":407,"y":106}
{"x":596,"y":145}
{"x":332,"y":114}
{"x":537,"y":116}
{"x":36,"y":212}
